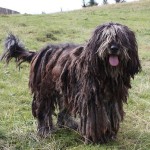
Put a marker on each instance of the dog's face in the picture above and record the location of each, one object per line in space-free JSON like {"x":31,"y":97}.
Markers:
{"x":116,"y":45}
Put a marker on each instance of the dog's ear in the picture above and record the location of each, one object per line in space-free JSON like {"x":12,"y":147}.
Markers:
{"x":133,"y":65}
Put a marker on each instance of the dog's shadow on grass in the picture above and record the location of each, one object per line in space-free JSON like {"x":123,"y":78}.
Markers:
{"x":69,"y":139}
{"x":2,"y":139}
{"x":2,"y":135}
{"x":66,"y":138}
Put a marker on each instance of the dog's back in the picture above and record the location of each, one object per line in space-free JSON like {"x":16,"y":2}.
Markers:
{"x":49,"y":63}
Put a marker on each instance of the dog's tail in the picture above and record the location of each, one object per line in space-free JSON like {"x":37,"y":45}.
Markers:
{"x":15,"y":49}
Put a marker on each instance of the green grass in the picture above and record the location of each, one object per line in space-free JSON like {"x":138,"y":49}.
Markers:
{"x":18,"y":127}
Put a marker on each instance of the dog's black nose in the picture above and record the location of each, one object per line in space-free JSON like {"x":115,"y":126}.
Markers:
{"x":114,"y":48}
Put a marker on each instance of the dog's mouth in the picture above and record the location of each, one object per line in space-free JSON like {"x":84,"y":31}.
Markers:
{"x":113,"y":60}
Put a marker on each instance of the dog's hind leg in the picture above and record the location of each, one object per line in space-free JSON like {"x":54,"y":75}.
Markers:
{"x":34,"y":106}
{"x":42,"y":110}
{"x":45,"y":124}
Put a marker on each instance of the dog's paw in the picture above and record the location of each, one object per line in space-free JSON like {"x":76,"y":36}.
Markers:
{"x":45,"y":132}
{"x":70,"y":123}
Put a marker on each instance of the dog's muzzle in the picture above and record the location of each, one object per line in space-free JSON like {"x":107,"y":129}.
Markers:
{"x":113,"y":55}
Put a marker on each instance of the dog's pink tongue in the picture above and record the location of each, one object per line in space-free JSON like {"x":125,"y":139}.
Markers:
{"x":113,"y":60}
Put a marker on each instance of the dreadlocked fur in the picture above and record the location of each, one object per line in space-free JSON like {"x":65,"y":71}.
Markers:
{"x":90,"y":82}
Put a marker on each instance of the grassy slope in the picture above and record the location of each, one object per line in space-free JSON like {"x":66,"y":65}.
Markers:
{"x":18,"y":127}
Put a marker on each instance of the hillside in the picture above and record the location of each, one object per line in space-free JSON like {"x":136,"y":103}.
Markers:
{"x":18,"y":127}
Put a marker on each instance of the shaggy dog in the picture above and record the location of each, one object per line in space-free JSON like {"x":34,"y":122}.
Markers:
{"x":88,"y":81}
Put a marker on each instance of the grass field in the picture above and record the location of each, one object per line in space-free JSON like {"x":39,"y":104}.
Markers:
{"x":18,"y":127}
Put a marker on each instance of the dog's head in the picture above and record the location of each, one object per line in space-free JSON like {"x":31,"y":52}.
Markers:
{"x":116,"y":45}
